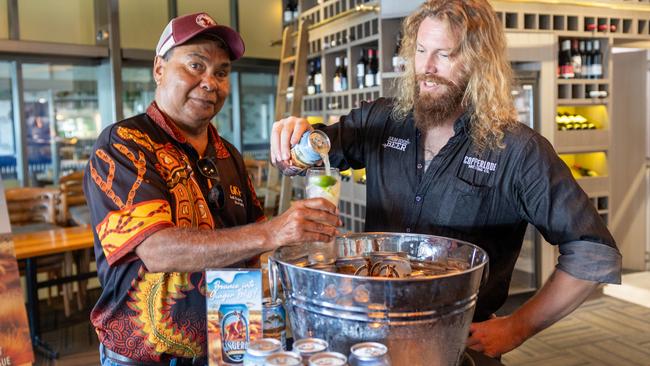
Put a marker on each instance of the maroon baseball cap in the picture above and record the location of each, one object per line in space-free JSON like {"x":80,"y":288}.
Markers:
{"x":181,"y":29}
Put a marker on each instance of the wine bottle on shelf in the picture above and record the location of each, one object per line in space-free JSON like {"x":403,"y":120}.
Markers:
{"x":583,"y":59}
{"x":290,"y":87}
{"x":344,"y":74}
{"x":318,"y":77}
{"x":374,"y":67}
{"x":288,"y":12}
{"x":597,"y":64}
{"x":362,"y":65}
{"x":295,"y":10}
{"x":566,"y":67}
{"x":587,"y":67}
{"x":311,"y":87}
{"x":576,"y":59}
{"x":336,"y":82}
{"x":369,"y":80}
{"x":398,"y":62}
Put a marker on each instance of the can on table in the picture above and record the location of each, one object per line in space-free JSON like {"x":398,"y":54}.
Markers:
{"x":308,"y":347}
{"x":357,"y":265}
{"x":235,"y":333}
{"x":328,"y":359}
{"x":274,"y":321}
{"x":369,"y":354}
{"x":259,"y":350}
{"x":283,"y":358}
{"x":306,"y":153}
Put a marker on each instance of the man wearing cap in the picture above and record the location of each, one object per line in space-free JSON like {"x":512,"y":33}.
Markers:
{"x":170,"y":198}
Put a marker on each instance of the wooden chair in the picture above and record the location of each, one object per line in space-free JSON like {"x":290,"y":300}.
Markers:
{"x":35,"y":209}
{"x":257,"y":170}
{"x":73,"y":210}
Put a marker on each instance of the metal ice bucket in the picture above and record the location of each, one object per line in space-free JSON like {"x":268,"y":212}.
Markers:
{"x":423,"y":320}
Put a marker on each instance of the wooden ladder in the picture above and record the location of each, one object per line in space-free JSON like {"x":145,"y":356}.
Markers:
{"x":285,"y":108}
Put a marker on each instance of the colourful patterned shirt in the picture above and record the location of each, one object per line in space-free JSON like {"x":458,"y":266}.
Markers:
{"x":141,"y":178}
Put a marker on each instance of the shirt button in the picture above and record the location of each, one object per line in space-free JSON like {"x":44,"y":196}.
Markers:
{"x":408,"y":229}
{"x":418,"y":198}
{"x":419,"y":166}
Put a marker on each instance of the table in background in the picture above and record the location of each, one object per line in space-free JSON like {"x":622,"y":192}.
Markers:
{"x":29,"y":246}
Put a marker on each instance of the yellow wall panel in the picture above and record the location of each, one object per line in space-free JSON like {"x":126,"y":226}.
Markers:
{"x":219,"y":10}
{"x":4,"y":21}
{"x":74,"y":21}
{"x":142,"y":22}
{"x":260,"y":22}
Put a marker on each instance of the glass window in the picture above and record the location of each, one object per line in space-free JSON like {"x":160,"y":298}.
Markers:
{"x":4,"y":20}
{"x":223,"y":119}
{"x":258,"y":111}
{"x":142,"y":22}
{"x":7,"y":144}
{"x":138,"y":90}
{"x":61,"y":116}
{"x":74,"y":21}
{"x":219,"y":10}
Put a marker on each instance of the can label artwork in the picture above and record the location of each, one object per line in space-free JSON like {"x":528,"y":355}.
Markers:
{"x":274,"y":321}
{"x":306,"y":153}
{"x":234,"y":312}
{"x":235,"y":331}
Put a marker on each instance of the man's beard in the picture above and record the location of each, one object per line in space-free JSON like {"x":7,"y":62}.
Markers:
{"x":431,"y":109}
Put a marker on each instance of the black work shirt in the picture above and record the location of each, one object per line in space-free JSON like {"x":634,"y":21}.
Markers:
{"x":485,"y":199}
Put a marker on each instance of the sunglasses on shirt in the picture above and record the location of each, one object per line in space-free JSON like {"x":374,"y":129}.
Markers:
{"x":208,"y":168}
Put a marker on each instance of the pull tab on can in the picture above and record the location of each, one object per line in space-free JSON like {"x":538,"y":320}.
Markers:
{"x":306,"y":153}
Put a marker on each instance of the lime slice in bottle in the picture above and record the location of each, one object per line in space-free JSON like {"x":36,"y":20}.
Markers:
{"x":323,"y":181}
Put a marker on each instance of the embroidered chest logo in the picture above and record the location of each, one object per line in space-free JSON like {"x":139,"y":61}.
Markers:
{"x":235,"y":195}
{"x":479,"y":165}
{"x":396,"y":143}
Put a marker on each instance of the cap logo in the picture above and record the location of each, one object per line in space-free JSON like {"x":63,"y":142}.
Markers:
{"x":205,"y":21}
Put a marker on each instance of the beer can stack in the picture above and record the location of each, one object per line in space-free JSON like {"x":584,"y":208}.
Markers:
{"x":314,"y":352}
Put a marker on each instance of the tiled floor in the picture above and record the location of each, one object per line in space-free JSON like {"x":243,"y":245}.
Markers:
{"x":603,"y":331}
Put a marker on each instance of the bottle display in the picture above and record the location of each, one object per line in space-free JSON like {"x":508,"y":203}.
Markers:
{"x":371,"y":70}
{"x":576,"y":59}
{"x":580,"y":59}
{"x":398,"y":62}
{"x":311,"y":86}
{"x":564,"y":59}
{"x":362,"y":66}
{"x":340,"y":80}
{"x":597,"y":61}
{"x":318,"y":77}
{"x":566,"y":121}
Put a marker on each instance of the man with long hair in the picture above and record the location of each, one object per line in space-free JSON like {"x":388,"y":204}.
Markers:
{"x":448,"y":157}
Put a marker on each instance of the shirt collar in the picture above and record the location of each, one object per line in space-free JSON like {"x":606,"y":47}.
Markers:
{"x":164,"y":122}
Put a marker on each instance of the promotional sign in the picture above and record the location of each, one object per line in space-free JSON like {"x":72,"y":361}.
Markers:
{"x":234,"y":304}
{"x":15,"y":342}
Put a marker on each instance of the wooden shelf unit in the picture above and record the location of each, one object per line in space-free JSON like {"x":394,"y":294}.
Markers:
{"x":338,"y":30}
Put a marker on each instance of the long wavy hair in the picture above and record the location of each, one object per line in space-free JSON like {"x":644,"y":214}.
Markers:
{"x":481,"y":51}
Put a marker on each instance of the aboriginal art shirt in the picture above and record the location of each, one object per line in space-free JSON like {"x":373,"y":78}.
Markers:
{"x":141,"y":178}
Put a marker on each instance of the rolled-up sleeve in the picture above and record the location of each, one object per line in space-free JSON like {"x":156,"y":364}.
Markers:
{"x":552,"y":200}
{"x":590,"y":261}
